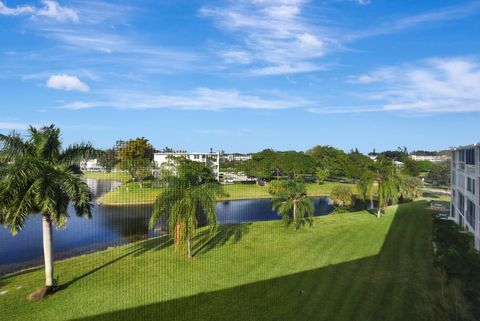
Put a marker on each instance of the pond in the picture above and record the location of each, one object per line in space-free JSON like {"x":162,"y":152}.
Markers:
{"x":116,"y":225}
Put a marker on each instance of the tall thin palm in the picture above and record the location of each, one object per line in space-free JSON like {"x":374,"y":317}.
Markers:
{"x":365,"y":187}
{"x":388,"y":185}
{"x":189,"y":191}
{"x":293,"y":200}
{"x":38,"y":176}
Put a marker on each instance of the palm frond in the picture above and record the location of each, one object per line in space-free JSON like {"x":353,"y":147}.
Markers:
{"x":75,"y":153}
{"x":12,"y":146}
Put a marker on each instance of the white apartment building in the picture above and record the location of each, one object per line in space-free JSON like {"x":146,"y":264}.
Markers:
{"x":431,"y":158}
{"x":91,"y":165}
{"x":211,"y":159}
{"x":465,"y":203}
{"x":240,"y":158}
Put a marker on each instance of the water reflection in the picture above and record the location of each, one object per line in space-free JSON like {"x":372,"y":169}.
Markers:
{"x":115,"y":225}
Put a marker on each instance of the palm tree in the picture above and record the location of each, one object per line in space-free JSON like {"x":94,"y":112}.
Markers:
{"x":365,"y":187}
{"x":190,"y":190}
{"x":38,"y":176}
{"x":292,"y":199}
{"x":388,"y":185}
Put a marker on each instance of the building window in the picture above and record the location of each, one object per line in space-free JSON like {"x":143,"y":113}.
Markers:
{"x":454,"y":178}
{"x":471,"y":185}
{"x":471,"y":213}
{"x":454,"y":156}
{"x":461,"y":203}
{"x":461,"y":155}
{"x":452,"y":211}
{"x":470,"y":156}
{"x":196,"y":156}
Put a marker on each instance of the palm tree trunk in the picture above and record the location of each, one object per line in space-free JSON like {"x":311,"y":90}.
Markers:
{"x":177,"y":235}
{"x":295,"y":214}
{"x":189,"y":247}
{"x":47,"y":250}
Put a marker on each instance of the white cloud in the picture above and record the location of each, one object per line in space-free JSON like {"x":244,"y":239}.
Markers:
{"x":236,"y":56}
{"x":380,"y":75}
{"x":77,"y":105}
{"x":274,"y":35}
{"x":286,"y":69}
{"x":19,"y":10}
{"x":436,"y":85}
{"x":391,"y":25}
{"x":12,"y":126}
{"x":362,"y":2}
{"x":51,"y":9}
{"x":67,"y":82}
{"x":196,"y":99}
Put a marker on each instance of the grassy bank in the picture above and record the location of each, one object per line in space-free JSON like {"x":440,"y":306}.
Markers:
{"x":114,"y":176}
{"x":131,"y":193}
{"x":346,"y":267}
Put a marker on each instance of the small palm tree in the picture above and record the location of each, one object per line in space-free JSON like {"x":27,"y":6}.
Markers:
{"x":190,"y":190}
{"x":292,"y":200}
{"x":38,"y":176}
{"x":365,"y":187}
{"x":388,"y":185}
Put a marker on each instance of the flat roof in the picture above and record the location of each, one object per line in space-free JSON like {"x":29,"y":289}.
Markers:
{"x":465,"y":146}
{"x":186,"y":153}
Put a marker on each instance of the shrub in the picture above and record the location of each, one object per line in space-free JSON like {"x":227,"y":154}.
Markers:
{"x":342,"y":195}
{"x":276,"y":187}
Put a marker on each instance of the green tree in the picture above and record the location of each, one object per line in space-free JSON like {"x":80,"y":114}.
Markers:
{"x":330,"y":158}
{"x":262,"y":164}
{"x":388,"y":183}
{"x":322,"y":174}
{"x":356,"y":165}
{"x":411,"y":187}
{"x":108,"y":159}
{"x":440,"y":174}
{"x":136,"y":158}
{"x":189,"y":191}
{"x":365,"y":187}
{"x":271,"y":164}
{"x":411,"y":167}
{"x":342,"y":195}
{"x":425,"y":165}
{"x":292,"y":200}
{"x":42,"y":177}
{"x":276,"y":187}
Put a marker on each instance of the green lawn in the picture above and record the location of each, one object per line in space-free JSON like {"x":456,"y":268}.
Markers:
{"x":346,"y":267}
{"x":114,"y":176}
{"x":131,"y":193}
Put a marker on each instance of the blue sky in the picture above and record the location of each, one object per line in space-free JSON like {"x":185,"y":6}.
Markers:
{"x":244,"y":75}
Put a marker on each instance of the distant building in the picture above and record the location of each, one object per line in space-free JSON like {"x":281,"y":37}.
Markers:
{"x":235,"y":157}
{"x":430,"y":158}
{"x":91,"y":165}
{"x":211,"y":159}
{"x":465,"y":201}
{"x":232,"y":177}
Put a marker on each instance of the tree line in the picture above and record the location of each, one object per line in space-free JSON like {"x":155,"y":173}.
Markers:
{"x":39,"y":175}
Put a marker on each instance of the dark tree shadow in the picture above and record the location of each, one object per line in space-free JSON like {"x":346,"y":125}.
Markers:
{"x":15,"y":274}
{"x":98,"y":268}
{"x":205,"y":241}
{"x":155,"y":244}
{"x":389,"y":285}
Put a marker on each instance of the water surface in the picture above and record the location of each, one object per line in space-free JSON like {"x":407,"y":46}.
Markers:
{"x":115,"y":225}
